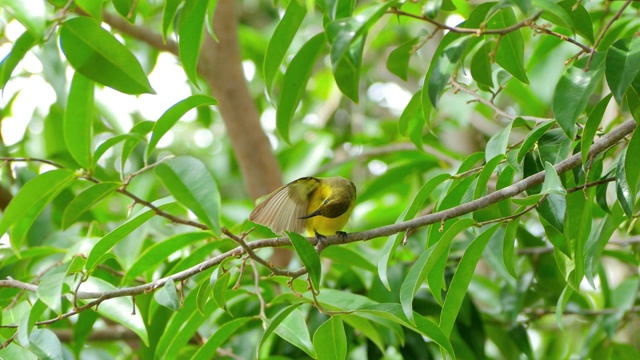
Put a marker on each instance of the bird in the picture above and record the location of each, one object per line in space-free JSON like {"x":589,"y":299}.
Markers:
{"x":321,"y":206}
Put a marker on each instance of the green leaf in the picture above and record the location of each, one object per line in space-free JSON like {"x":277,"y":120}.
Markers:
{"x":554,"y":13}
{"x":625,"y":195}
{"x":510,"y":51}
{"x":50,"y":289}
{"x":167,"y":296}
{"x":45,"y":344}
{"x":120,"y":309}
{"x":219,"y":289}
{"x":308,"y":256}
{"x":552,"y":183}
{"x":86,"y":200}
{"x":32,"y":15}
{"x":170,"y":117}
{"x":281,"y":40}
{"x":78,"y":120}
{"x":168,"y":15}
{"x":485,"y":176}
{"x":591,"y":127}
{"x":497,"y":145}
{"x":573,"y":91}
{"x":411,"y":120}
{"x":295,"y":82}
{"x":394,"y":240}
{"x":508,"y":247}
{"x":532,"y":137}
{"x":581,"y":18}
{"x":330,"y":340}
{"x":631,"y":163}
{"x":190,"y":30}
{"x":109,"y":143}
{"x":562,"y":303}
{"x":442,"y":67}
{"x":293,"y":329}
{"x":462,"y":279}
{"x":159,"y":252}
{"x":91,"y":7}
{"x":96,"y":54}
{"x":222,"y":334}
{"x":481,"y":65}
{"x":107,"y":242}
{"x":422,"y":325}
{"x":398,"y":60}
{"x":20,"y":47}
{"x":126,"y":9}
{"x":274,"y":322}
{"x":191,"y":183}
{"x":29,"y":202}
{"x":622,"y":65}
{"x":597,"y":241}
{"x":138,"y":131}
{"x":554,"y":146}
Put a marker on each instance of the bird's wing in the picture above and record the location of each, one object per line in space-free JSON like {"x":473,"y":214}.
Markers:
{"x":283,"y":208}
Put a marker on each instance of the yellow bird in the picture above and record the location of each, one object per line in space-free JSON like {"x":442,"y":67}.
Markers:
{"x":322,"y":206}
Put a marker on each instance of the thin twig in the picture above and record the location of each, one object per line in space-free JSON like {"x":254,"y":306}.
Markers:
{"x":604,"y":30}
{"x":542,"y":29}
{"x":256,"y":282}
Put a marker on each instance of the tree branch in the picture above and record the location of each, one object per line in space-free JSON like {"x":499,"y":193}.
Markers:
{"x":604,"y":143}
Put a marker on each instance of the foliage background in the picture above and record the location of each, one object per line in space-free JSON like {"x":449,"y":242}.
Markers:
{"x":125,"y":195}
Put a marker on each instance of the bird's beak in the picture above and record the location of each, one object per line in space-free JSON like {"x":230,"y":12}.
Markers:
{"x":315,"y":213}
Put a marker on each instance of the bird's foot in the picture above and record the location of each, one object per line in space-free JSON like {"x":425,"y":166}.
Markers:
{"x":320,"y":238}
{"x":342,"y":235}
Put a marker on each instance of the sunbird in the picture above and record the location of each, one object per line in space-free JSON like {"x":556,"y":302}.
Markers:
{"x":322,"y":206}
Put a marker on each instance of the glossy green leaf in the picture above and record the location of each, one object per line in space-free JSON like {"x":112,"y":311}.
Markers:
{"x":274,"y":322}
{"x":632,"y":98}
{"x":295,"y":82}
{"x":78,"y":120}
{"x":91,"y":7}
{"x":577,"y":225}
{"x":190,"y":31}
{"x":219,"y":289}
{"x":222,"y":334}
{"x":293,"y":330}
{"x":29,"y":202}
{"x":562,"y":303}
{"x":398,"y":60}
{"x":346,"y":71}
{"x":622,"y":65}
{"x":111,"y":142}
{"x":573,"y":91}
{"x":20,"y":47}
{"x":420,"y":324}
{"x":498,"y":143}
{"x":281,"y":40}
{"x":120,"y":309}
{"x":191,"y":183}
{"x":598,"y":239}
{"x":554,"y":146}
{"x":159,"y":252}
{"x":591,"y":127}
{"x":138,"y":131}
{"x":485,"y":175}
{"x":45,"y":344}
{"x":554,"y":13}
{"x":32,"y":15}
{"x":581,"y":18}
{"x":107,"y":242}
{"x":462,"y":279}
{"x":126,"y":9}
{"x":394,"y":240}
{"x":50,"y":289}
{"x":532,"y":138}
{"x":170,"y":117}
{"x":412,"y":120}
{"x":86,"y":200}
{"x":510,"y":51}
{"x":426,"y":263}
{"x":631,"y":163}
{"x":330,"y":340}
{"x":481,"y":65}
{"x":352,"y":257}
{"x":96,"y":54}
{"x":168,"y":15}
{"x":443,"y":66}
{"x":508,"y":247}
{"x":552,"y":183}
{"x":167,"y":296}
{"x":625,"y":195}
{"x":308,"y":256}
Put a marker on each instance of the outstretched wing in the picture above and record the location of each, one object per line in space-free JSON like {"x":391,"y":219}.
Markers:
{"x":283,"y":208}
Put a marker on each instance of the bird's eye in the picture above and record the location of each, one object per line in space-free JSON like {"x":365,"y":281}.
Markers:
{"x":325,"y":202}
